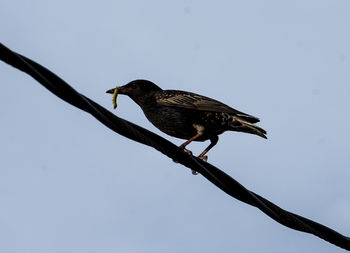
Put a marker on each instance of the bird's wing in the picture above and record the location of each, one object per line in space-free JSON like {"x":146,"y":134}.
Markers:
{"x":194,"y":101}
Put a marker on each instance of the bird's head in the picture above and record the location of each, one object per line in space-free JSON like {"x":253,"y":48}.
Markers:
{"x":137,"y":90}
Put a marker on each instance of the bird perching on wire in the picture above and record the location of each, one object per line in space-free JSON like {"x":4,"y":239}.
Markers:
{"x":187,"y":115}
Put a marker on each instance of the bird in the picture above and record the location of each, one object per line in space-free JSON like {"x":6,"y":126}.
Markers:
{"x":187,"y":115}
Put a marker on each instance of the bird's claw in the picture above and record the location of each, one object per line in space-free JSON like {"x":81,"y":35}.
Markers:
{"x":204,"y":158}
{"x":188,"y":151}
{"x":194,"y":172}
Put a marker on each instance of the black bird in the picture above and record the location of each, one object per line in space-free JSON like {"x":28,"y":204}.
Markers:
{"x":186,"y":115}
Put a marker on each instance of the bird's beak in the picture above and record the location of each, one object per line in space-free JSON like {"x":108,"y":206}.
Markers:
{"x":115,"y":92}
{"x":111,"y":91}
{"x":121,"y":90}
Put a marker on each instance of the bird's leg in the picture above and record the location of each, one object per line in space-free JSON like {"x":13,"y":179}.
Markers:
{"x":213,"y":142}
{"x":183,"y":146}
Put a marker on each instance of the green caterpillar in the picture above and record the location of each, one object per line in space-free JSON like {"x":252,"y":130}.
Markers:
{"x":115,"y":94}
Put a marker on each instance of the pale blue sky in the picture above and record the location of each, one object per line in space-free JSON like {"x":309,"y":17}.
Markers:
{"x":68,"y":184}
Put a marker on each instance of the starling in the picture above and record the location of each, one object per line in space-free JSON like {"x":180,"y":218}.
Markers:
{"x":187,"y":115}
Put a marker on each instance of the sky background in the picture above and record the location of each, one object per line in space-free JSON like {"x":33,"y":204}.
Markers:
{"x":69,"y":184}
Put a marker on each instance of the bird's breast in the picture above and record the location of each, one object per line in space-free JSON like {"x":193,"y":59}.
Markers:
{"x":178,"y":122}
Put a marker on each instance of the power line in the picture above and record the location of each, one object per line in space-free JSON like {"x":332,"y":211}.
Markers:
{"x":134,"y":132}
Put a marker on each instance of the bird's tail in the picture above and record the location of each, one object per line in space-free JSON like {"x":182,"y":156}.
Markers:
{"x":241,"y":125}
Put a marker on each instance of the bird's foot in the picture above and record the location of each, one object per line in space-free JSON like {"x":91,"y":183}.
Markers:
{"x":194,"y":172}
{"x":189,"y":152}
{"x":204,"y":158}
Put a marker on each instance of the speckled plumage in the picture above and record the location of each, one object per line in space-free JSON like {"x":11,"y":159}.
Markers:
{"x":188,"y":115}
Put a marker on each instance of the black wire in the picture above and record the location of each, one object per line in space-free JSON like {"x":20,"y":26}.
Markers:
{"x":219,"y":178}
